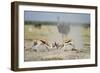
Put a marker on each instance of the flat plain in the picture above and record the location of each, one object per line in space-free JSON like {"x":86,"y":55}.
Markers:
{"x":50,"y":33}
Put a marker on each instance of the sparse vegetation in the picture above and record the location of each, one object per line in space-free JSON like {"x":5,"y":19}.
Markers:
{"x":50,"y":33}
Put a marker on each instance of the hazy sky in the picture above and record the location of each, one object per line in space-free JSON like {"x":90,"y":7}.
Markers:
{"x":52,"y":16}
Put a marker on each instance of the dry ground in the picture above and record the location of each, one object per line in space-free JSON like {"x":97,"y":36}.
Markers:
{"x":48,"y":33}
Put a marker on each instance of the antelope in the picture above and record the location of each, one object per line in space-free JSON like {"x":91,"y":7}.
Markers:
{"x":40,"y":43}
{"x":68,"y":45}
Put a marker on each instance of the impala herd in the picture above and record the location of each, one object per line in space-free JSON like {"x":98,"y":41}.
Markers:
{"x":43,"y":46}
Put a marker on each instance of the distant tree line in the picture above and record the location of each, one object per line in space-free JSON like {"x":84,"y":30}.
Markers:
{"x":39,"y":23}
{"x":86,"y":25}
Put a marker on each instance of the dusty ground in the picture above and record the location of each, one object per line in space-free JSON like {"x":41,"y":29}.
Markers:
{"x":57,"y":54}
